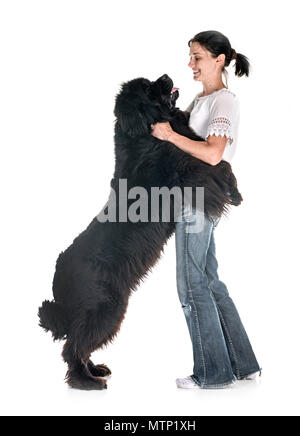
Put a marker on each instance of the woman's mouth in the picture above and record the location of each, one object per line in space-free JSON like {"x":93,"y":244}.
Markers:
{"x":196,"y":72}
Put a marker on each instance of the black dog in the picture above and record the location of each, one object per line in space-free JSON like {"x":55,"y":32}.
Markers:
{"x":95,"y":276}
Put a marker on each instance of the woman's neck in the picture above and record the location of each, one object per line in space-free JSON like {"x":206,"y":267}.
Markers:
{"x":209,"y":88}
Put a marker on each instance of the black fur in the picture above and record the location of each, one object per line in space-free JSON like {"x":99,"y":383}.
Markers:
{"x":96,"y":275}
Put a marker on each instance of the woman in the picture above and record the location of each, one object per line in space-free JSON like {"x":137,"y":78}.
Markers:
{"x":221,"y":348}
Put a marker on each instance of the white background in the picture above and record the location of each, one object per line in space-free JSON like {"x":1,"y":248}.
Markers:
{"x":62,"y":63}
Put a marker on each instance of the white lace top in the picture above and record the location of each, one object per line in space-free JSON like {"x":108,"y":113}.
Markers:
{"x":217,"y":113}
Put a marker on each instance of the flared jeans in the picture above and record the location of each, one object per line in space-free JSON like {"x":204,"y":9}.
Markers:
{"x":221,"y":349}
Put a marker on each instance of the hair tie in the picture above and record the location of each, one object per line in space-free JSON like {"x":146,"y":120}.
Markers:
{"x":233,"y":54}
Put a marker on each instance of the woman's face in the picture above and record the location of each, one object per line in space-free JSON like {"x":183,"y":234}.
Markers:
{"x":204,"y":66}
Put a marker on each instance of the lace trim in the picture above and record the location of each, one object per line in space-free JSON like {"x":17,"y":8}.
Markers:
{"x":220,"y":127}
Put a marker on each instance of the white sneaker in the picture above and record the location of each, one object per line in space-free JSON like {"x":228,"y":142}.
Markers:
{"x":253,"y":376}
{"x":188,"y":383}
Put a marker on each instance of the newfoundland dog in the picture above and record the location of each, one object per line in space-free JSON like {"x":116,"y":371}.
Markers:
{"x":98,"y":272}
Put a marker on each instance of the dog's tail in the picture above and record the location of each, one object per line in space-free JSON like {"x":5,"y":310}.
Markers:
{"x":54,"y":317}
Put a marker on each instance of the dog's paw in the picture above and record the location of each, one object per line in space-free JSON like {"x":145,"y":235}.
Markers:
{"x":103,"y":370}
{"x":99,"y":370}
{"x":87,"y":383}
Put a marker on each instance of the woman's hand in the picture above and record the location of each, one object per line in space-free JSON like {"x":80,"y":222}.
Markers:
{"x":162,"y":131}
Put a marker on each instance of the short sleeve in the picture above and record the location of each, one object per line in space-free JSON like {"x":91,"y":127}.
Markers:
{"x":223,"y":114}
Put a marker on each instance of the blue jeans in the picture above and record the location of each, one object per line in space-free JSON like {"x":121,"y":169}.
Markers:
{"x":221,"y":348}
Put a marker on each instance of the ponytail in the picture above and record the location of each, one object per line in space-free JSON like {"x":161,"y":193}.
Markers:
{"x":242,"y":65}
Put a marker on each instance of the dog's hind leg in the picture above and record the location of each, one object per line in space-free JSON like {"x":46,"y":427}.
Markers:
{"x":87,"y":334}
{"x":90,"y":331}
{"x":79,"y":375}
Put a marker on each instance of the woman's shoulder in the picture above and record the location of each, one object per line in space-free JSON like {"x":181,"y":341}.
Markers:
{"x":224,"y":93}
{"x":224,"y":98}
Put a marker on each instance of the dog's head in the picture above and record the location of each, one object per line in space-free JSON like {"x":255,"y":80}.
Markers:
{"x":141,"y":103}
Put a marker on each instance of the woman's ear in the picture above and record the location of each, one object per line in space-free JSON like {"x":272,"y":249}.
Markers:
{"x":221,"y":59}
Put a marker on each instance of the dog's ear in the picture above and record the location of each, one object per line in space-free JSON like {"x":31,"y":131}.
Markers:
{"x":131,"y":116}
{"x":133,"y":123}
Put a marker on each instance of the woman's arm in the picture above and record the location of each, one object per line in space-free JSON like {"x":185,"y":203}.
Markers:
{"x":210,"y":151}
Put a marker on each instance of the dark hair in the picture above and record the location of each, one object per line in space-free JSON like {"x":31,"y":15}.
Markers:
{"x":217,"y":43}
